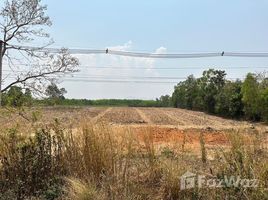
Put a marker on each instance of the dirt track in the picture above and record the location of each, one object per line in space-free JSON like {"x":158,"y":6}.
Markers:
{"x":169,"y":117}
{"x":170,"y":126}
{"x":133,"y":117}
{"x":166,"y":125}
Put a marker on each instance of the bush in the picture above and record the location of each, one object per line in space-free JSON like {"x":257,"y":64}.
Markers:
{"x":32,"y":166}
{"x":98,"y":162}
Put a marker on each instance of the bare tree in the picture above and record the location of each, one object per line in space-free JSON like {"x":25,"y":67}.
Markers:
{"x":22,"y":22}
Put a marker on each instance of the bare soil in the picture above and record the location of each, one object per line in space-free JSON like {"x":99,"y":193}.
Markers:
{"x":166,"y":126}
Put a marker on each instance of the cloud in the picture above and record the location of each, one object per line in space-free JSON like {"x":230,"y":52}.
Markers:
{"x":161,"y":50}
{"x":120,"y":61}
{"x":117,"y":66}
{"x":124,"y":47}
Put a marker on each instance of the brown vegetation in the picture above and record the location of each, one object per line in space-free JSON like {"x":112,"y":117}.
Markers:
{"x":120,"y":161}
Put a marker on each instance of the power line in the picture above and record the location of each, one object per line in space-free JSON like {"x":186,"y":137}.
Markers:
{"x":119,"y":81}
{"x":129,"y":77}
{"x":113,"y":80}
{"x":155,"y":55}
{"x":118,"y":78}
{"x":134,"y":77}
{"x":233,"y":54}
{"x":145,"y":55}
{"x":124,"y":81}
{"x":135,"y":67}
{"x":59,"y":50}
{"x":164,"y":68}
{"x":115,"y":76}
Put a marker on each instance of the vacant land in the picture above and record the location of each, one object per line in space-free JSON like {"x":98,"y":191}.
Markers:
{"x":126,"y":153}
{"x":167,"y":125}
{"x":160,"y":117}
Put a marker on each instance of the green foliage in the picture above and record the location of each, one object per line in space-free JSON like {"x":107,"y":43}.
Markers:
{"x":211,"y":84}
{"x":199,"y":94}
{"x":17,"y":98}
{"x":229,"y":100}
{"x":264,"y":105}
{"x":214,"y":94}
{"x":211,"y":93}
{"x":186,"y":93}
{"x":164,"y":101}
{"x":55,"y":94}
{"x":167,"y":152}
{"x":251,"y":97}
{"x":32,"y":165}
{"x":102,"y":102}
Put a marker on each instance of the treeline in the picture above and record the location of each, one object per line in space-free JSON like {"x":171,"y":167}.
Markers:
{"x":18,"y":97}
{"x":101,"y":102}
{"x":213,"y":93}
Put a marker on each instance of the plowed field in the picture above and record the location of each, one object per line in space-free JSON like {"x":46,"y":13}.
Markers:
{"x":165,"y":125}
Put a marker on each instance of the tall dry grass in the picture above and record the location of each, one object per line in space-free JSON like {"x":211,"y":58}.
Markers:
{"x":100,"y":162}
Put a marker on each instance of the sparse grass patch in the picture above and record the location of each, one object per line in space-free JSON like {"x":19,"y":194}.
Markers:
{"x":97,"y":161}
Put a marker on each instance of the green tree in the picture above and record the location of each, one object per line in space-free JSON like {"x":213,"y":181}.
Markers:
{"x":229,"y":100}
{"x":264,"y":104}
{"x":164,"y":101}
{"x":191,"y":92}
{"x":55,"y":94}
{"x":251,"y":97}
{"x":186,"y":93}
{"x":178,"y":96}
{"x":211,"y":83}
{"x":17,"y":98}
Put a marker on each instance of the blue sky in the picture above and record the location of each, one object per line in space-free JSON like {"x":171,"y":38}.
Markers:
{"x":158,"y":26}
{"x":189,"y":25}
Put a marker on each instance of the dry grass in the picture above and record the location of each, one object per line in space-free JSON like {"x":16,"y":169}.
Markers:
{"x":97,"y":161}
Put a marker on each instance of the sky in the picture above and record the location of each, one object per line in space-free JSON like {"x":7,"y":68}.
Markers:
{"x":170,"y":26}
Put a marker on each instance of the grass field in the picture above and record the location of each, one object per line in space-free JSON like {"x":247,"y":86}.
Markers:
{"x":127,"y":153}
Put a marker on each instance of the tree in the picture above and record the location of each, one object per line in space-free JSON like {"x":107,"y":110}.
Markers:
{"x":263,"y":90}
{"x":22,"y":22}
{"x":214,"y":94}
{"x":178,"y":96}
{"x":264,"y":104}
{"x":211,"y":84}
{"x":191,"y":92}
{"x":229,"y":100}
{"x":199,"y":94}
{"x":17,"y":98}
{"x":55,"y":94}
{"x":186,"y":93}
{"x":251,"y":97}
{"x":164,"y":101}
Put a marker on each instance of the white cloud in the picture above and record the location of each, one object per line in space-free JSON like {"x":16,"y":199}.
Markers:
{"x":161,"y":50}
{"x":128,"y":65}
{"x":124,"y":47}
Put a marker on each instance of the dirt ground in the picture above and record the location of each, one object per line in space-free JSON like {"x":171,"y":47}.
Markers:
{"x":166,"y":126}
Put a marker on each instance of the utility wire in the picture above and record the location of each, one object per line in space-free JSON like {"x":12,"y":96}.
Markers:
{"x":155,"y":55}
{"x":59,"y":50}
{"x":135,"y":67}
{"x":144,"y":55}
{"x":118,"y":81}
{"x":123,"y":78}
{"x":232,"y":54}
